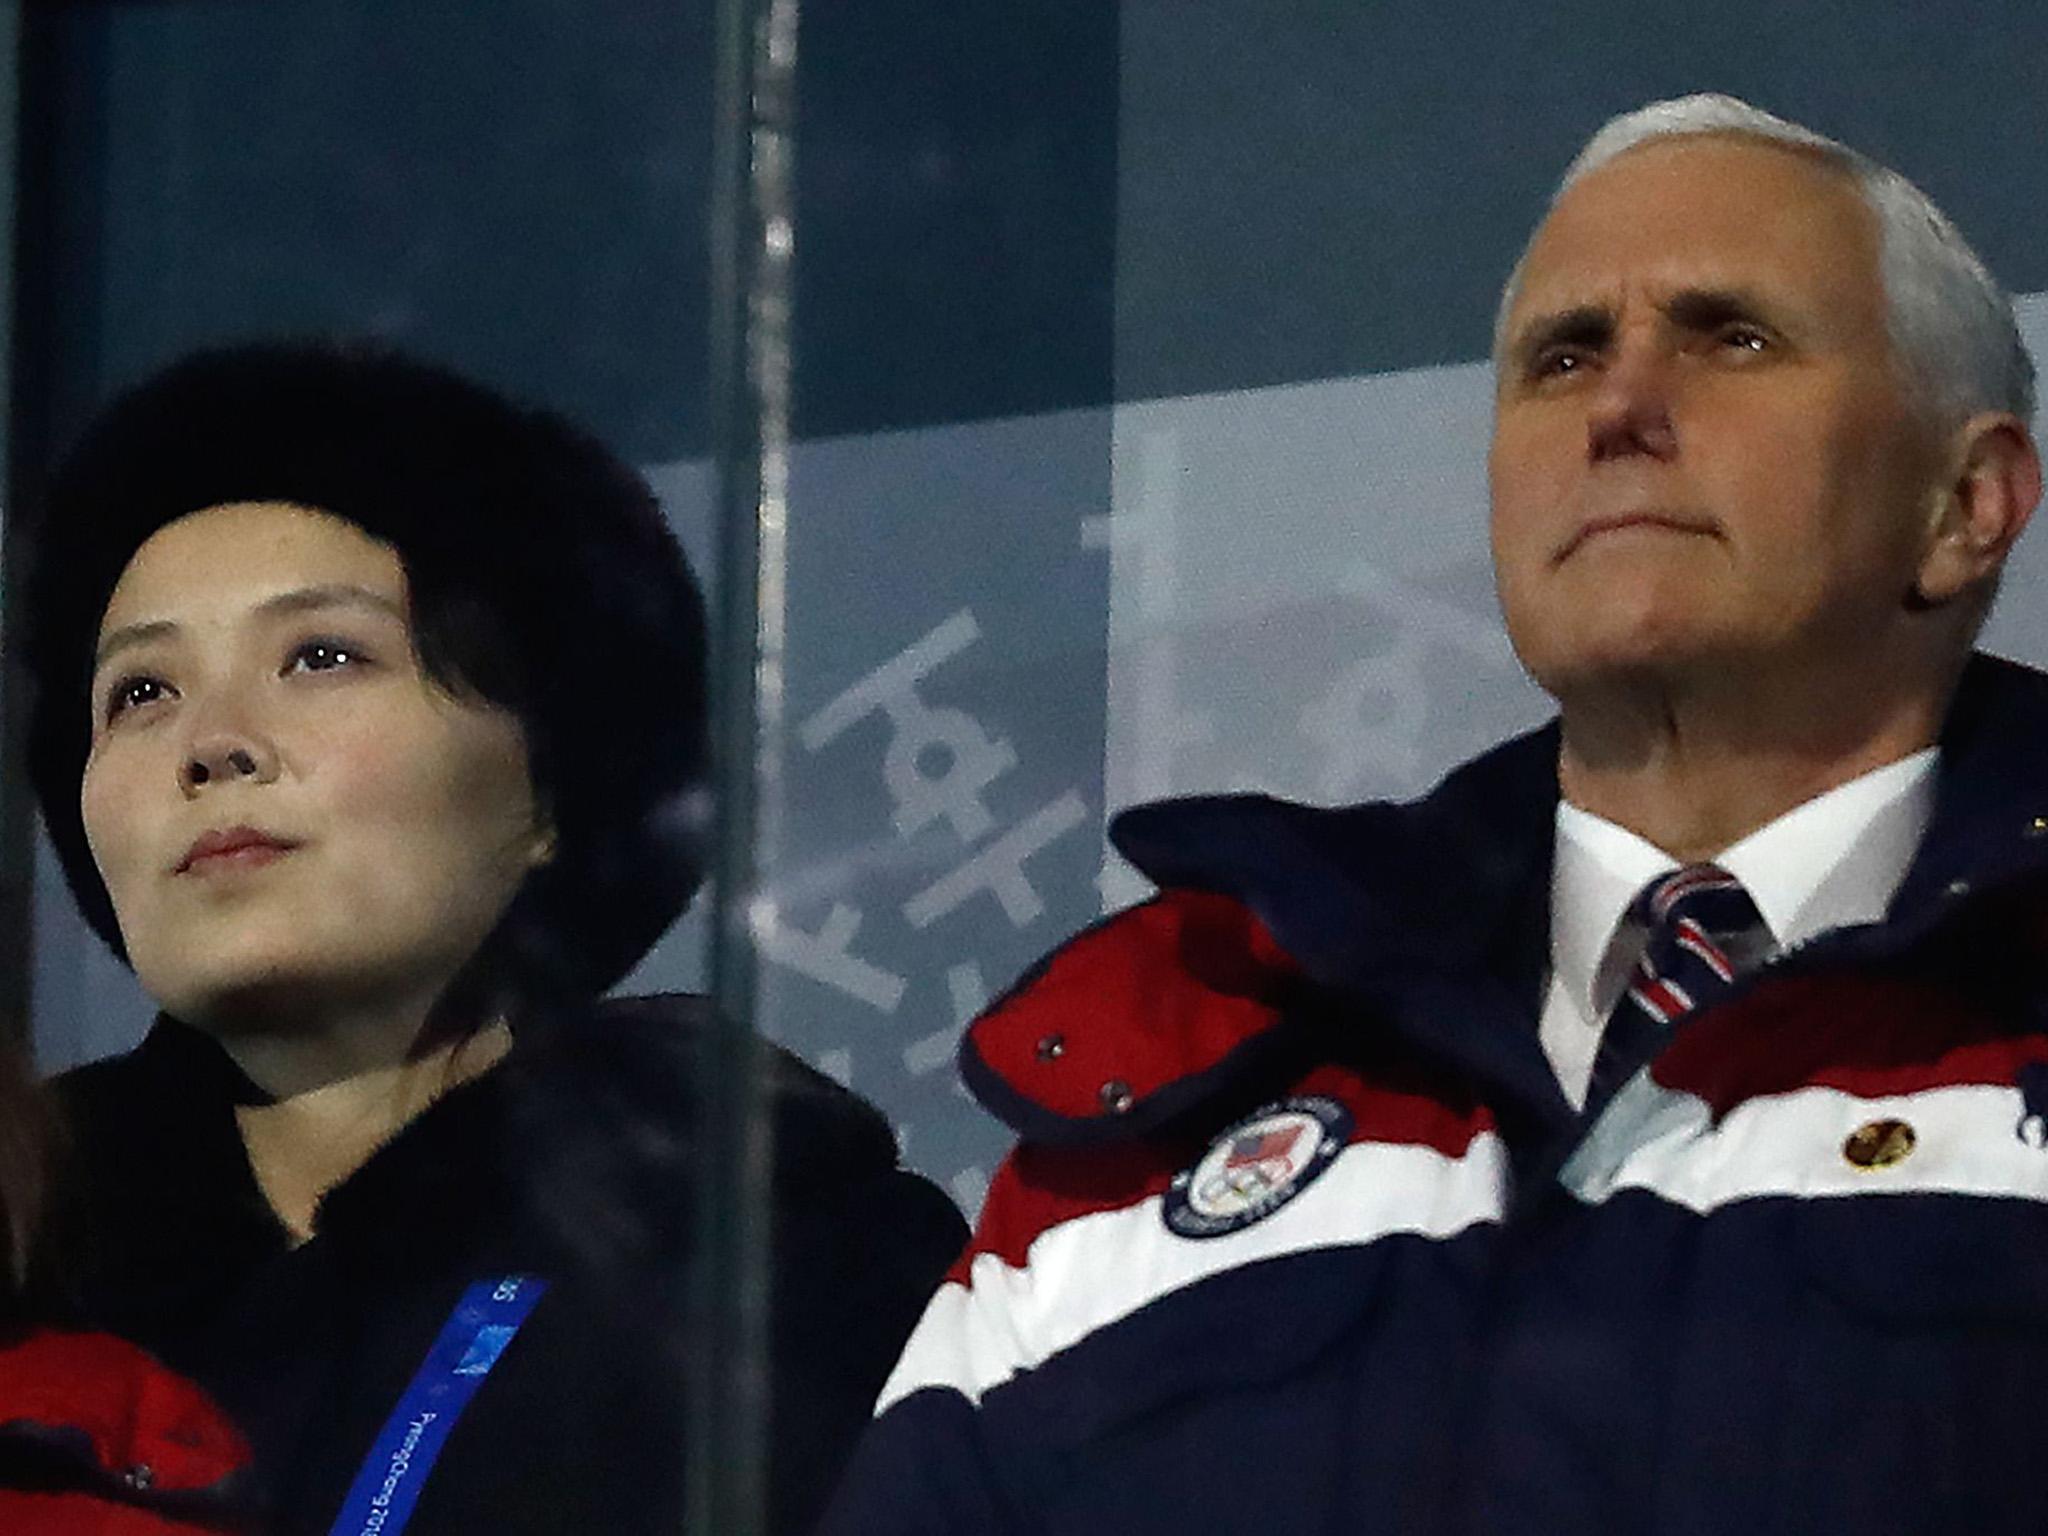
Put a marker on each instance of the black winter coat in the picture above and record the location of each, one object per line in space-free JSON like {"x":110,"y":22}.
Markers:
{"x":572,"y":1159}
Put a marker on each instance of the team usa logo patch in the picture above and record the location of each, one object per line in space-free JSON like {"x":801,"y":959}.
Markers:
{"x":1257,"y":1166}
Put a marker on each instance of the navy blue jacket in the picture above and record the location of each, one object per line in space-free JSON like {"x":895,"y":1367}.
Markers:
{"x":573,"y":1160}
{"x":1300,"y":1234}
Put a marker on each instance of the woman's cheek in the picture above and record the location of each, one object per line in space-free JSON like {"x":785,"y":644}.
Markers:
{"x":107,"y":803}
{"x":371,"y":790}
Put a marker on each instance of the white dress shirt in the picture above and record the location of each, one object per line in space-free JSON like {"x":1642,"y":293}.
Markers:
{"x":1833,"y":861}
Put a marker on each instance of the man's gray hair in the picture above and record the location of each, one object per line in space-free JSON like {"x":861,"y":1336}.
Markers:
{"x":1951,"y":324}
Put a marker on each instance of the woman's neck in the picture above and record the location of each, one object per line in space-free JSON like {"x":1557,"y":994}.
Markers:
{"x":336,"y":1103}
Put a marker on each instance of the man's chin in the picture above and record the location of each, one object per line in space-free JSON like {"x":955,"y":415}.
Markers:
{"x":1618,"y":667}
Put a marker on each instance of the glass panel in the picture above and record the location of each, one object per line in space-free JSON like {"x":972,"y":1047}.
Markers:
{"x":1062,"y":406}
{"x":16,"y":857}
{"x":1142,"y":408}
{"x":1316,"y":213}
{"x":948,"y":559}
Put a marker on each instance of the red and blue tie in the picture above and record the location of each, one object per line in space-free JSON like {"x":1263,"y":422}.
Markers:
{"x":1703,"y":931}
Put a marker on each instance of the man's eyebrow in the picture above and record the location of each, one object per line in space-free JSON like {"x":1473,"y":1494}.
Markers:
{"x":335,"y":594}
{"x":1702,"y":309}
{"x":1587,"y":325}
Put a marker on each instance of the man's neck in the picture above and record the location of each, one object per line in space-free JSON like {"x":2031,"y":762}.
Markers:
{"x":1695,"y":776}
{"x":340,"y":1094}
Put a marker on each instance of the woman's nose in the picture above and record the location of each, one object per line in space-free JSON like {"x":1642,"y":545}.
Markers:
{"x":226,"y":753}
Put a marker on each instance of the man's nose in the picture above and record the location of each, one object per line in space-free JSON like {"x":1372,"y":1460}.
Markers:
{"x":1630,"y":413}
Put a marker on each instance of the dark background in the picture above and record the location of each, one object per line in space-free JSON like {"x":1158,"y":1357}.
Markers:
{"x":519,"y":188}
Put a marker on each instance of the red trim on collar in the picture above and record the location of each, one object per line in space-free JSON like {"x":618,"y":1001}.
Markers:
{"x":132,"y":1411}
{"x":1156,"y":994}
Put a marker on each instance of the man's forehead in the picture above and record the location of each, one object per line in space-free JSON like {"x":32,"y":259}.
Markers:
{"x":1703,"y":211}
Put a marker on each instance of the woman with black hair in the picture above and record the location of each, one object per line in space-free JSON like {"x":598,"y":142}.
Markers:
{"x":368,"y":726}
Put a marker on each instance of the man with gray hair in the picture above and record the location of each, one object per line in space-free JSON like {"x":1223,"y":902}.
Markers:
{"x":1648,"y":1129}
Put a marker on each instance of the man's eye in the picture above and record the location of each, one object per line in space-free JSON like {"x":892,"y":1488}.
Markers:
{"x":1556,"y":363}
{"x":1746,"y":338}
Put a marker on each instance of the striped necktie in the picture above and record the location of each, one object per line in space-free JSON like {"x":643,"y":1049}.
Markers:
{"x":1703,"y":929}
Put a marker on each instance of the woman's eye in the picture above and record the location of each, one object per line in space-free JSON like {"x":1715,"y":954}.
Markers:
{"x":324,"y":656}
{"x":132,"y":693}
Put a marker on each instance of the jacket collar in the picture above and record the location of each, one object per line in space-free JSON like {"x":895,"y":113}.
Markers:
{"x":576,"y":1154}
{"x":1433,"y":913}
{"x":1358,"y":890}
{"x":1990,"y":822}
{"x":1435,"y":910}
{"x":89,"y":1414}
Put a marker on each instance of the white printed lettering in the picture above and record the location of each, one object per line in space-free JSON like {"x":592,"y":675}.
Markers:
{"x":939,"y":760}
{"x":825,"y":956}
{"x":999,"y":868}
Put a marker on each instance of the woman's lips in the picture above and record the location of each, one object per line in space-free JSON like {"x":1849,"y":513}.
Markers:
{"x":233,"y":848}
{"x":248,"y":856}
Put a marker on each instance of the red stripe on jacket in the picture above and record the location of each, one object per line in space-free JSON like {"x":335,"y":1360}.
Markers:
{"x":1871,"y":1035}
{"x":1038,"y":1188}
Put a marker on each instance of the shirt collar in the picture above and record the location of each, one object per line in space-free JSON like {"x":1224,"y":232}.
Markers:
{"x":1599,"y":868}
{"x":1838,"y":858}
{"x":1832,"y":861}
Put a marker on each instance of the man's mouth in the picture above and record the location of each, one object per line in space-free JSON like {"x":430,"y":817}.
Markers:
{"x":1596,"y":527}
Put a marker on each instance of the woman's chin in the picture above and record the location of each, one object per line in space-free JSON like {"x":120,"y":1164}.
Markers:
{"x":257,"y":1000}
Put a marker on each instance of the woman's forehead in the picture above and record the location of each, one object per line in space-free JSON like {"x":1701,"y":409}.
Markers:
{"x":234,"y":558}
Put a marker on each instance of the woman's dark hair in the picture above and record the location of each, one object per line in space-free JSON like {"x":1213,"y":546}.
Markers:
{"x":542,"y":579}
{"x":27,"y":1130}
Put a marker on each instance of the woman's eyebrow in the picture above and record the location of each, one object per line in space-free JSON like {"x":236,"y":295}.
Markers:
{"x":336,"y":594}
{"x":340,"y":594}
{"x":129,"y":635}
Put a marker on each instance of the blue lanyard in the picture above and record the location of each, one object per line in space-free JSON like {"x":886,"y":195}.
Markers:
{"x":476,"y":1333}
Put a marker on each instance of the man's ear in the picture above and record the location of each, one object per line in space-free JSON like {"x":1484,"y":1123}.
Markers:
{"x":1993,"y":485}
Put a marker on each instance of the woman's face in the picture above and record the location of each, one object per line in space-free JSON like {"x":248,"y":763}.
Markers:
{"x":257,"y":678}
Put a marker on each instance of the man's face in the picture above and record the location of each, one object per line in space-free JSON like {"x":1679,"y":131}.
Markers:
{"x":1702,"y":453}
